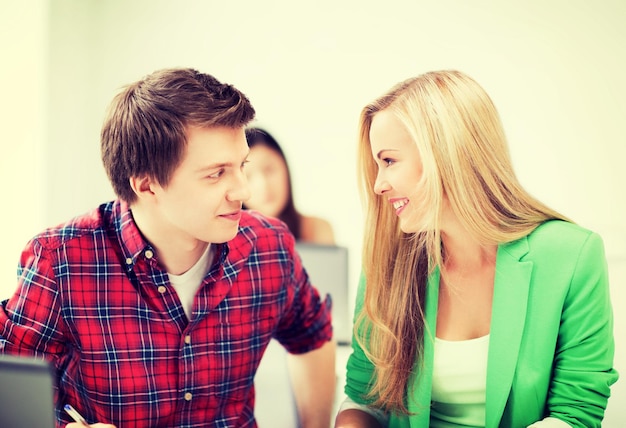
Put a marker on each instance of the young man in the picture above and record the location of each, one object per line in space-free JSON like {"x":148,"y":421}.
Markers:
{"x":155,"y":309}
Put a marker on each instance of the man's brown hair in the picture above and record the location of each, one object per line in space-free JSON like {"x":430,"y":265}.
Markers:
{"x":144,"y":132}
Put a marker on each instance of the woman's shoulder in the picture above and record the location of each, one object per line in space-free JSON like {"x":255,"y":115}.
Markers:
{"x":561,"y":231}
{"x":562,"y":237}
{"x":316,"y":230}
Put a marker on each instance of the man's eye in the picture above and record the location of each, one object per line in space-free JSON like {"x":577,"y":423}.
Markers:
{"x":217,"y":174}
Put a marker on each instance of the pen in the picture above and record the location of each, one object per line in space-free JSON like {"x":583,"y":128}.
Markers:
{"x":75,"y":415}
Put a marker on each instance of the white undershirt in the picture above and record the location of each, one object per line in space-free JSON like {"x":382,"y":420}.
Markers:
{"x":188,"y":283}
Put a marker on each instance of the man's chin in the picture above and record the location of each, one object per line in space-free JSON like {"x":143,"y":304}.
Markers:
{"x":224,"y":237}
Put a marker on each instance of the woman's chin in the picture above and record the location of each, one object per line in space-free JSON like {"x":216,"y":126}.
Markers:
{"x":408,"y":228}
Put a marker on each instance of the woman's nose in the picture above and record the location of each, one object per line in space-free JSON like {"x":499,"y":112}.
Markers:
{"x":381,"y":185}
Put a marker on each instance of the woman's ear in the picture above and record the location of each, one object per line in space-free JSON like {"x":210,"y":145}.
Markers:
{"x":142,"y":186}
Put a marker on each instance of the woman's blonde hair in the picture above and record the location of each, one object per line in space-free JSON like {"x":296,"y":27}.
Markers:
{"x":464,"y":153}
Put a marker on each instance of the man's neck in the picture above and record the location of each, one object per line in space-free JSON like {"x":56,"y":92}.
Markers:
{"x":176,"y":253}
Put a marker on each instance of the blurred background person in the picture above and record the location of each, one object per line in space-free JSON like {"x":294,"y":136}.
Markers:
{"x":271,"y":190}
{"x":271,"y":194}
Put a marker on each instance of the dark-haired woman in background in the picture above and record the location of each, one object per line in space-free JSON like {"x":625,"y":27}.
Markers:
{"x":271,"y":194}
{"x":271,"y":191}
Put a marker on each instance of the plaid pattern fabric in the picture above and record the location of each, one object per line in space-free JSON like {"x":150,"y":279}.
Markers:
{"x":93,"y":299}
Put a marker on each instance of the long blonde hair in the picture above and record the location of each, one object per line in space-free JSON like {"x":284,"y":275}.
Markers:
{"x":462,"y":145}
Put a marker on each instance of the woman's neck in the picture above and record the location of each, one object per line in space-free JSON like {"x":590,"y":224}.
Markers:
{"x":463,"y":251}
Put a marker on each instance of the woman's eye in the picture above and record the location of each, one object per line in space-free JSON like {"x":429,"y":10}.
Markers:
{"x":388,"y":161}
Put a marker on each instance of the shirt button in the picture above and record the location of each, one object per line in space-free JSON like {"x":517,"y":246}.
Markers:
{"x":188,"y":396}
{"x":187,"y":339}
{"x":129,"y":261}
{"x":162,"y":289}
{"x":149,"y":254}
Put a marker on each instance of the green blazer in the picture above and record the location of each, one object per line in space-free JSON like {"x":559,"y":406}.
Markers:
{"x":551,"y":340}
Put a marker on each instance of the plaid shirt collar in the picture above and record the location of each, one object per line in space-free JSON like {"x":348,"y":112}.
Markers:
{"x":133,"y":245}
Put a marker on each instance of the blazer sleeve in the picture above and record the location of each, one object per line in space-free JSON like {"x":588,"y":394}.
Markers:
{"x":583,"y":365}
{"x":359,"y":370}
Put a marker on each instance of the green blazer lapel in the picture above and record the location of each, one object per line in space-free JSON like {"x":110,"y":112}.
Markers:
{"x":510,"y":300}
{"x":422,"y":379}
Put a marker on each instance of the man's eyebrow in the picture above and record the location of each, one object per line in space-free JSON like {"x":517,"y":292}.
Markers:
{"x":223,"y":164}
{"x":214,"y":166}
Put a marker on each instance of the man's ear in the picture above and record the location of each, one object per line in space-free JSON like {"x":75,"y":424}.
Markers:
{"x":142,"y":186}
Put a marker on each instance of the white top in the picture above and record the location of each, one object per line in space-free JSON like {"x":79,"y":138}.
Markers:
{"x":459,"y":387}
{"x":188,"y":283}
{"x":459,"y":382}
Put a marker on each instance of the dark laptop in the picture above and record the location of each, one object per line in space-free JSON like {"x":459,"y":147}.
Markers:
{"x":26,"y":393}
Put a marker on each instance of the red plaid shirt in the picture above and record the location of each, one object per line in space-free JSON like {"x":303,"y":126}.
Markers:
{"x":93,"y":299}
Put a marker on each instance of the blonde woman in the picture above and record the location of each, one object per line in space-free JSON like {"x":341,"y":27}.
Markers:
{"x":479,"y":305}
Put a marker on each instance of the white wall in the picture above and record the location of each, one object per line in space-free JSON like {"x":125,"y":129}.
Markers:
{"x":23,"y":30}
{"x":554,"y":69}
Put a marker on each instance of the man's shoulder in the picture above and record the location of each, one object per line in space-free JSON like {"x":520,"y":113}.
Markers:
{"x":255,"y":222}
{"x":83,"y":226}
{"x":258,"y":233}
